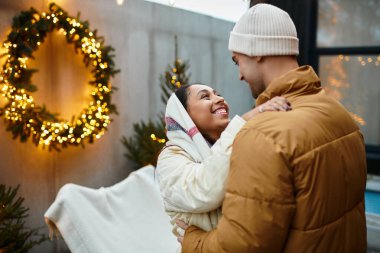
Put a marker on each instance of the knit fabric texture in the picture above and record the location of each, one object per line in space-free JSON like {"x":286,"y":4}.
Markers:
{"x":264,"y":30}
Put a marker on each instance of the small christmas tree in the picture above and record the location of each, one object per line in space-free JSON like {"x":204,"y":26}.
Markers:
{"x":148,"y":139}
{"x":173,"y":78}
{"x":14,"y":235}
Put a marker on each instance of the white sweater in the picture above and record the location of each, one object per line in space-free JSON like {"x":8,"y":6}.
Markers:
{"x":193,"y":189}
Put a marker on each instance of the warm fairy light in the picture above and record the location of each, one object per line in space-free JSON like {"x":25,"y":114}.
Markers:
{"x":363,"y":62}
{"x":358,"y":119}
{"x":91,"y":122}
{"x":337,"y":79}
{"x":154,"y":138}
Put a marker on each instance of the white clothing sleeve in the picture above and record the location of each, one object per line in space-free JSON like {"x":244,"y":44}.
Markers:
{"x":189,"y":186}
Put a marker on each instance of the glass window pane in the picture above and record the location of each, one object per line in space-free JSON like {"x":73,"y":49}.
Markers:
{"x":355,"y":82}
{"x":345,"y":23}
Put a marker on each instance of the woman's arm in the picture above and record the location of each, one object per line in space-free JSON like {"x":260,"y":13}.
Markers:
{"x":189,"y":186}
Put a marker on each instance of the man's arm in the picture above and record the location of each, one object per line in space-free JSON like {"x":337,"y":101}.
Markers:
{"x":259,"y":203}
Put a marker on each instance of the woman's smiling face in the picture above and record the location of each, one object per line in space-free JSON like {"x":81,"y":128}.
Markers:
{"x":208,"y":110}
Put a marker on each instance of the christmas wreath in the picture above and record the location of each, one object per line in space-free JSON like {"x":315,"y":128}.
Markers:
{"x":26,"y":119}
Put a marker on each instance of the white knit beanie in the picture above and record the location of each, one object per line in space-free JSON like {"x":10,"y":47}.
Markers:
{"x":264,"y":30}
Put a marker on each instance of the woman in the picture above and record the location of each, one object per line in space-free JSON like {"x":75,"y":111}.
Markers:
{"x":192,"y":169}
{"x":129,"y":216}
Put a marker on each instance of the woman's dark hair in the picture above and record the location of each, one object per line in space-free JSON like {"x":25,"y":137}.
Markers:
{"x":182,"y":94}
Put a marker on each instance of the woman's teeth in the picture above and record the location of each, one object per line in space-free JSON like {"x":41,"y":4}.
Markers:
{"x":220,"y":111}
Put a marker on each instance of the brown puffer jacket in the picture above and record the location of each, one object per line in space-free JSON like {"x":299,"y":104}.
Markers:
{"x":296,"y":181}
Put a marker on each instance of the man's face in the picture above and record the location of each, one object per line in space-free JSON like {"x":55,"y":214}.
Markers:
{"x":249,"y":71}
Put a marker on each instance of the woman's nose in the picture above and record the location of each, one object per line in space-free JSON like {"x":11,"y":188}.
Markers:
{"x":219,"y":99}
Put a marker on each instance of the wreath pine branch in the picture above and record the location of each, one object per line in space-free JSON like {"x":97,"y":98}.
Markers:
{"x":23,"y":118}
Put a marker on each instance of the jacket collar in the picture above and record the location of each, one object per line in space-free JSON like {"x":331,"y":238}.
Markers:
{"x":299,"y":81}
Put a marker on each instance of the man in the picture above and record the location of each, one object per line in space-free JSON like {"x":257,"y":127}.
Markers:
{"x":297,"y":179}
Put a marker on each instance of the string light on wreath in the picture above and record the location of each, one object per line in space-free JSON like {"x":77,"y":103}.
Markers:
{"x":26,"y":119}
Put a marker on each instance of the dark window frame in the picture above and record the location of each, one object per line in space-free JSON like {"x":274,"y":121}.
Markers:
{"x":372,"y":151}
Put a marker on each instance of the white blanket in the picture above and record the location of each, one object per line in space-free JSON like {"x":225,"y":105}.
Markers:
{"x":126,"y":217}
